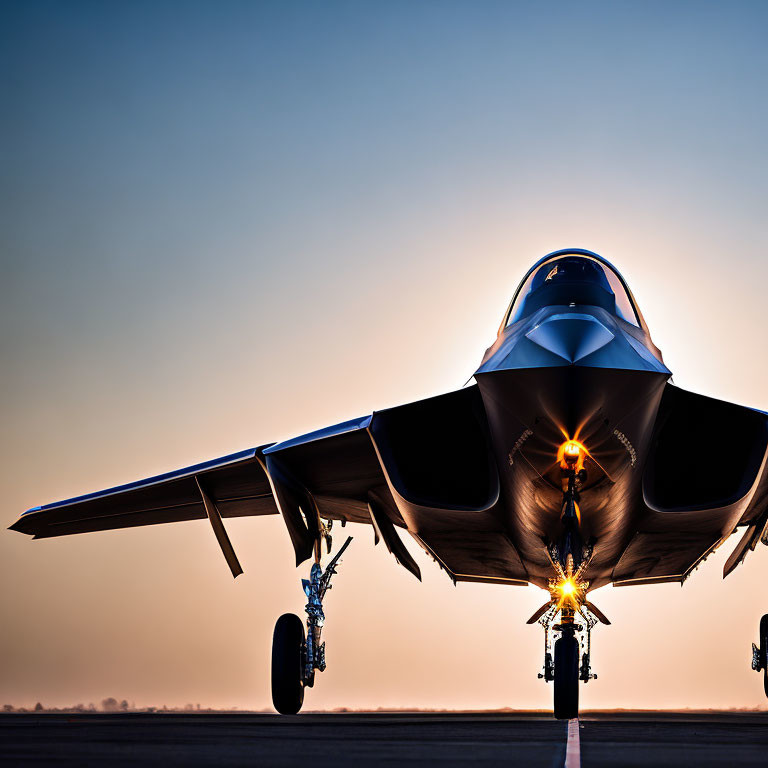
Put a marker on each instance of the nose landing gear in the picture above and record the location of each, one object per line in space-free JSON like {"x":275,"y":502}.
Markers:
{"x":567,"y":659}
{"x":296,"y":655}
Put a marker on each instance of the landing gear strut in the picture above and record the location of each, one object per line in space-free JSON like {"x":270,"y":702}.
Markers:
{"x":567,"y":659}
{"x":296,"y":655}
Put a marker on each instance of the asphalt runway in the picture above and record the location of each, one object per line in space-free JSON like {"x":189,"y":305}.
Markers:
{"x":339,"y":740}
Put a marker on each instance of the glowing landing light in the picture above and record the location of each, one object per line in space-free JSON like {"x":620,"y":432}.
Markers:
{"x":571,"y":455}
{"x":568,"y":592}
{"x":572,"y":450}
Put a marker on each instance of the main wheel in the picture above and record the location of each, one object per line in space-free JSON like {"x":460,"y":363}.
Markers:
{"x":566,"y":678}
{"x":287,"y":647}
{"x":764,"y":650}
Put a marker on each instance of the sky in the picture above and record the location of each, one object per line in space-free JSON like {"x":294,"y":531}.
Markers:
{"x":224,"y":224}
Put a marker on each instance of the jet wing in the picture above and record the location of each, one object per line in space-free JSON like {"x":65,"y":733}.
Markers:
{"x":237,"y":482}
{"x":333,"y":462}
{"x":426,"y":466}
{"x":707,"y":474}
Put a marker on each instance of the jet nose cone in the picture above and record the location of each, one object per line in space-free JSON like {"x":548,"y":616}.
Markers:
{"x":571,"y":336}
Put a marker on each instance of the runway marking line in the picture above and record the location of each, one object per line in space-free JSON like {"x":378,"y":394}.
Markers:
{"x":573,"y":748}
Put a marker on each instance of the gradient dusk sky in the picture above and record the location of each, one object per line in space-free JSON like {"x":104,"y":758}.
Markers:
{"x":228,"y":223}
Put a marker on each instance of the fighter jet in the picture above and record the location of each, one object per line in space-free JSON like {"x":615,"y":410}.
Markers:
{"x":570,"y":462}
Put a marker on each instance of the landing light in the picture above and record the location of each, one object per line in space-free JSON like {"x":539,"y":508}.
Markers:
{"x":568,"y":591}
{"x":571,"y":450}
{"x":571,"y":455}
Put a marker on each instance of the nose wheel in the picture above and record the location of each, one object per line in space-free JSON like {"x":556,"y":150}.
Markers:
{"x":566,"y":677}
{"x":564,"y":662}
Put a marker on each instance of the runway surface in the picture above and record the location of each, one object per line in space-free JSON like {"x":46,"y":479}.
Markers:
{"x":339,"y":740}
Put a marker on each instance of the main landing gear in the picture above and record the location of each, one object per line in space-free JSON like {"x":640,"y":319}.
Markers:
{"x":760,"y":653}
{"x":296,"y":654}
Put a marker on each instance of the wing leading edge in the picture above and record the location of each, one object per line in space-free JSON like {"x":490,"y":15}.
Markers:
{"x":237,"y":483}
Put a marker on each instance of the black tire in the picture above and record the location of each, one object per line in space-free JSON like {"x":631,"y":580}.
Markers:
{"x":764,"y":650}
{"x":287,"y":645}
{"x":566,"y":678}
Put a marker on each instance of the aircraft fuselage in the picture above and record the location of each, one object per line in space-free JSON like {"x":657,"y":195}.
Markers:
{"x":571,"y":373}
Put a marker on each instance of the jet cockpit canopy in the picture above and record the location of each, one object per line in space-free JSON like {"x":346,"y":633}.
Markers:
{"x":573,"y":277}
